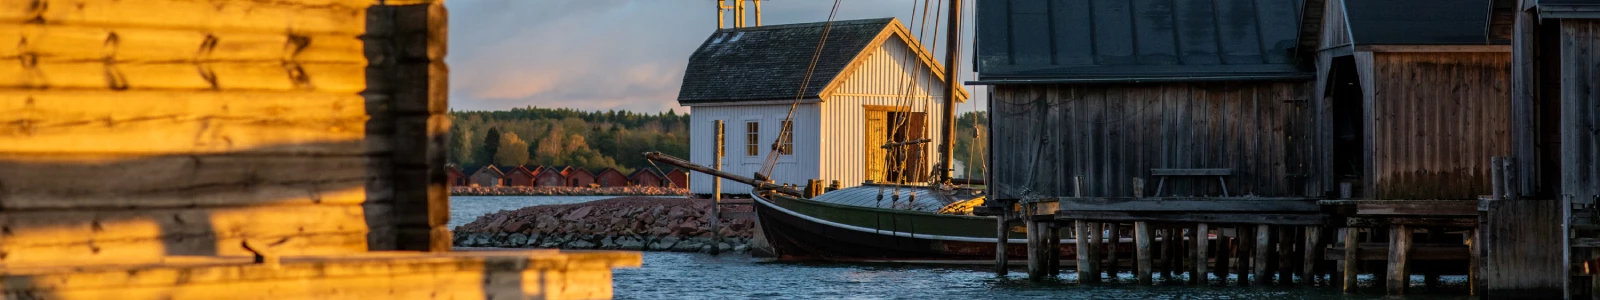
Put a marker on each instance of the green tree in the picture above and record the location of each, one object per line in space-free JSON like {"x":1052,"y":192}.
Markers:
{"x":513,"y":151}
{"x":491,"y":145}
{"x":461,"y":146}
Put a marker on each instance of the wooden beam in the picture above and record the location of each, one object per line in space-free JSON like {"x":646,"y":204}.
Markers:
{"x":1188,"y":205}
{"x":1142,"y":240}
{"x":35,"y":182}
{"x":1244,"y":255}
{"x":1419,"y":252}
{"x":1220,"y":218}
{"x":1084,"y":260}
{"x":1435,"y":48}
{"x":1113,"y":240}
{"x":1418,"y":208}
{"x":1191,"y":172}
{"x":1399,"y":249}
{"x":323,"y":16}
{"x":1002,"y":234}
{"x":1312,"y":251}
{"x":80,"y":42}
{"x":1096,"y":250}
{"x":1036,"y":263}
{"x":1380,"y":222}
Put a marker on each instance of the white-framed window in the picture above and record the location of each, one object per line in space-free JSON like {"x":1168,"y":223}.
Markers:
{"x":752,"y":138}
{"x":786,"y":138}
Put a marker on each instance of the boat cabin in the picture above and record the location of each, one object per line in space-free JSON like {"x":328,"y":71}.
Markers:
{"x":873,"y":84}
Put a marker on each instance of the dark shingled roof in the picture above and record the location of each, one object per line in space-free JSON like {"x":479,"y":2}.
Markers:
{"x":1419,"y":22}
{"x":769,"y":62}
{"x":1137,"y":40}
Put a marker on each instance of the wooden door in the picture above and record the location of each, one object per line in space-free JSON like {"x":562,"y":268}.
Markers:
{"x":875,"y":136}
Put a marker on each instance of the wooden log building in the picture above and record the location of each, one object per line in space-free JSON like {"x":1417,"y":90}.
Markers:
{"x":580,"y":177}
{"x":1288,"y":140}
{"x":519,"y":176}
{"x":271,"y":149}
{"x":488,"y":176}
{"x":610,"y":177}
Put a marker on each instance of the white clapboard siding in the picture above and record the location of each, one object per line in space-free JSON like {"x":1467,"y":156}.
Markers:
{"x":883,"y":79}
{"x":828,"y":135}
{"x":792,"y":169}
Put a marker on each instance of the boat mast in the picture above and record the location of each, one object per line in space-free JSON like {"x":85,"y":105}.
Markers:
{"x":952,"y":65}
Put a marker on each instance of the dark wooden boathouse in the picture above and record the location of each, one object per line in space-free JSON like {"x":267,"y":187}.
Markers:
{"x":1272,"y":137}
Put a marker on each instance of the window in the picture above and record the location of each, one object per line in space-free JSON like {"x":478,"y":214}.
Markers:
{"x":786,"y":139}
{"x":752,"y":138}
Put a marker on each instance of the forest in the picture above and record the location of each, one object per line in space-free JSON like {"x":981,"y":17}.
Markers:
{"x":599,"y":139}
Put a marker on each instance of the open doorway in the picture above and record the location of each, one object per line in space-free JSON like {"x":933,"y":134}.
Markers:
{"x":898,"y":164}
{"x":1349,"y":119}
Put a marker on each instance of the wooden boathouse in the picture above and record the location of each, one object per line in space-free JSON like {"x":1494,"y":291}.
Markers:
{"x":167,"y":149}
{"x":1250,"y":142}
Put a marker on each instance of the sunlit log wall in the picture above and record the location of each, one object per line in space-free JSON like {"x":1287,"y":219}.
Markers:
{"x":136,"y":130}
{"x":1111,"y":133}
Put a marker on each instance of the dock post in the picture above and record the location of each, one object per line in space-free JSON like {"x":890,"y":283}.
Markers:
{"x":1224,"y":254}
{"x":1082,"y":246}
{"x":1201,"y":241}
{"x":1168,"y":237}
{"x":716,"y":193}
{"x":1308,"y":266}
{"x":1141,"y":248}
{"x":1053,"y":250}
{"x":1399,"y":245}
{"x":1246,"y":247}
{"x":1001,"y":234}
{"x":1430,"y":269}
{"x":1286,"y":244}
{"x":1352,"y":258}
{"x":1263,"y":250}
{"x":1035,"y":247}
{"x":1096,"y":243}
{"x":1474,"y":265}
{"x":1113,"y":239}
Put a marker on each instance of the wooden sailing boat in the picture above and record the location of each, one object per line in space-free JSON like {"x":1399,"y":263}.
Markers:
{"x":929,"y":220}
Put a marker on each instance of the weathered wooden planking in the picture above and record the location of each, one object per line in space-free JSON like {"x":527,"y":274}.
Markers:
{"x":1523,"y":244}
{"x":1385,"y":221}
{"x":1191,"y":172}
{"x":171,"y":122}
{"x":1580,"y":85}
{"x":1190,"y":204}
{"x":1440,"y":117}
{"x":406,"y":275}
{"x":124,"y":45}
{"x":313,"y":16}
{"x":417,"y":81}
{"x":89,"y":236}
{"x":1380,"y":251}
{"x":338,"y":77}
{"x":1215,"y":218}
{"x":65,"y":181}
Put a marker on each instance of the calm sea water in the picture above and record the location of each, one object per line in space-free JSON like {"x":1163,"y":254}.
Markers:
{"x":667,"y":275}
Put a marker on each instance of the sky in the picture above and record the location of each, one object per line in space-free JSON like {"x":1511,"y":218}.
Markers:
{"x":615,"y":54}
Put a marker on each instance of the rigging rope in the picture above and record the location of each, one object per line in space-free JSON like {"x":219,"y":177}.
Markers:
{"x":784,"y":130}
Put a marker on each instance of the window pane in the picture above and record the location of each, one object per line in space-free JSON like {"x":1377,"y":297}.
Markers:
{"x":752,"y":138}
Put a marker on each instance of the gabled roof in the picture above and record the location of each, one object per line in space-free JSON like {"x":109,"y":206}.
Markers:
{"x":520,"y":169}
{"x":1420,"y":22}
{"x":609,"y":169}
{"x":642,"y":171}
{"x":769,"y":62}
{"x":1134,"y":40}
{"x":491,"y":170}
{"x":575,"y":170}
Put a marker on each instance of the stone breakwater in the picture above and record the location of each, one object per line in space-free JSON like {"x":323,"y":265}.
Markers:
{"x":627,"y":223}
{"x":567,"y":191}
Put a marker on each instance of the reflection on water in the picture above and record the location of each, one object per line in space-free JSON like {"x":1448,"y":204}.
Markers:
{"x":700,"y":276}
{"x":464,"y":209}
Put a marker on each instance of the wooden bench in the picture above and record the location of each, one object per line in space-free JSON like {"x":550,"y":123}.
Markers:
{"x":1220,"y":174}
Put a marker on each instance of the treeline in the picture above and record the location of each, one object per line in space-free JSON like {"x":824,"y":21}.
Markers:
{"x":560,"y":137}
{"x":600,"y":139}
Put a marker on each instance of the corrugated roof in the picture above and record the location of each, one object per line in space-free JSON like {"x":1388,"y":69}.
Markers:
{"x":1420,"y":22}
{"x":1123,"y":40}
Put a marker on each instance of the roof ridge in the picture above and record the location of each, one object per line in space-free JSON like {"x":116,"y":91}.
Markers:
{"x":884,"y":21}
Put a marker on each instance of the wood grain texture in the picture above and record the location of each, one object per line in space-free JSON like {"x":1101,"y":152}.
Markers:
{"x":314,"y":16}
{"x":169,"y":122}
{"x":89,"y":43}
{"x":64,"y":181}
{"x":1440,"y":117}
{"x":89,"y":236}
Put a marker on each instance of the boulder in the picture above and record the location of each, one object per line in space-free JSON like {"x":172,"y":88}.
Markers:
{"x":630,"y":243}
{"x":514,"y":226}
{"x":608,"y":243}
{"x":580,"y":244}
{"x":665,"y":243}
{"x":515,"y":240}
{"x":689,"y":245}
{"x":578,"y":214}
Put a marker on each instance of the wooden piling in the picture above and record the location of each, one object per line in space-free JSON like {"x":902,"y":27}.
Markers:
{"x":1312,"y":255}
{"x":1096,"y":246}
{"x":1035,"y":250}
{"x":1113,"y":239}
{"x":1082,"y":228}
{"x":1399,"y":245}
{"x":1246,"y":244}
{"x":1286,"y":244}
{"x":1223,"y":255}
{"x":1430,"y":270}
{"x":1141,"y":245}
{"x":1263,"y":251}
{"x":1001,"y":234}
{"x":1474,"y":264}
{"x":1350,"y":258}
{"x":1169,"y":250}
{"x":716,"y":192}
{"x":1053,"y":250}
{"x":1200,"y":247}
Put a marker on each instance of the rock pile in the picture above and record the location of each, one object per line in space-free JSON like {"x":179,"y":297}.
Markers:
{"x":627,"y":223}
{"x":567,"y":191}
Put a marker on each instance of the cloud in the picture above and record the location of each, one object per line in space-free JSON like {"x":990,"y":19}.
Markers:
{"x":598,"y":54}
